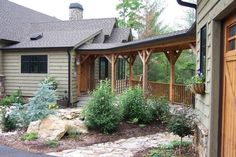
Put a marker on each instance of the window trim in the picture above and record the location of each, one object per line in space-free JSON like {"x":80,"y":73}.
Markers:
{"x":37,"y":73}
{"x":203,"y":49}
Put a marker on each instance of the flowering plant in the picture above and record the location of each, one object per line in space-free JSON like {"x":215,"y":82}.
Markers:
{"x":198,"y":78}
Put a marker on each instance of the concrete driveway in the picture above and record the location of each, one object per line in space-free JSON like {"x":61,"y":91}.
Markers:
{"x":11,"y":152}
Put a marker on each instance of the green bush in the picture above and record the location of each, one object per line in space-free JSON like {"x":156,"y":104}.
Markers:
{"x":51,"y":82}
{"x":29,"y":136}
{"x":15,"y":97}
{"x":180,"y":125}
{"x":51,"y":143}
{"x":21,"y":115}
{"x":134,"y":107}
{"x":100,"y":112}
{"x":160,"y":109}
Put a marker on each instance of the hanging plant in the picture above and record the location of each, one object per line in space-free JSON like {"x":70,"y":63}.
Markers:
{"x":197,"y":83}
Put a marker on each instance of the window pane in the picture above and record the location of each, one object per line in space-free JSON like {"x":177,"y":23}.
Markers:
{"x":34,"y":64}
{"x":232,"y":44}
{"x":103,"y":68}
{"x":203,"y":43}
{"x":232,"y":31}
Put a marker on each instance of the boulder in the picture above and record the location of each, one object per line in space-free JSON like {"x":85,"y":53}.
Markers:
{"x":52,"y":128}
{"x":34,"y":126}
{"x":78,"y":125}
{"x":69,"y":114}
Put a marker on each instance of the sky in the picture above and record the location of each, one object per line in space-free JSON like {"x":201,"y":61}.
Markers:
{"x":98,"y":9}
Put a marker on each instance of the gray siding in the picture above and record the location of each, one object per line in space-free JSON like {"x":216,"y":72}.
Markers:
{"x":211,"y":14}
{"x":28,"y":83}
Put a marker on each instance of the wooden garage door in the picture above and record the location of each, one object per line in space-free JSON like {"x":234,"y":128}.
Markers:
{"x":228,"y":144}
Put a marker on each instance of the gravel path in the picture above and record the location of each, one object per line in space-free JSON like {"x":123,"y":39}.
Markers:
{"x":120,"y":148}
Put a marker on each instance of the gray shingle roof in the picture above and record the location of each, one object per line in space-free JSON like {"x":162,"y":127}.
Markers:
{"x":15,"y":19}
{"x":57,"y":39}
{"x":164,"y":37}
{"x":119,"y":35}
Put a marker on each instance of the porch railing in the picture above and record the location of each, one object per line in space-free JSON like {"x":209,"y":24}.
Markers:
{"x":181,"y":94}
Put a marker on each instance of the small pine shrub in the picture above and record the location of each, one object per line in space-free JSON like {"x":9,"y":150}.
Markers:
{"x":29,"y":136}
{"x":51,"y":82}
{"x":51,"y":143}
{"x":100,"y":112}
{"x":134,"y":107}
{"x":180,"y":125}
{"x":15,"y":97}
{"x":38,"y":108}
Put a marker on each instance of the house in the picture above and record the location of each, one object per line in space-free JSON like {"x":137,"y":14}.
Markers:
{"x":79,"y":53}
{"x":216,"y":51}
{"x":34,"y":45}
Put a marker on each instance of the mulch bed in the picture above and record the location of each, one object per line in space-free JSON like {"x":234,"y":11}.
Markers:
{"x":185,"y":152}
{"x":124,"y":131}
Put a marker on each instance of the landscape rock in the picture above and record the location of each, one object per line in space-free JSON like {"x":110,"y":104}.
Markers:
{"x":52,"y":128}
{"x":34,"y":126}
{"x":78,"y":125}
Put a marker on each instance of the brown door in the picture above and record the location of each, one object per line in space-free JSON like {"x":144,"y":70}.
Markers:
{"x":228,"y":144}
{"x":85,"y":77}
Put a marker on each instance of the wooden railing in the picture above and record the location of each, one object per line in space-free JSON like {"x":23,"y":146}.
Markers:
{"x":181,"y":94}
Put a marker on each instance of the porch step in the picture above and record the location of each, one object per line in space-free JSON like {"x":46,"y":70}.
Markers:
{"x":82,"y":100}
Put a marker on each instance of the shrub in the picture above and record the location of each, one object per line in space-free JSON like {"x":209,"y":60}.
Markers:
{"x":51,"y":81}
{"x":72,"y":133}
{"x":21,"y":115}
{"x":100,"y":112}
{"x":134,"y":106}
{"x":160,"y":109}
{"x":180,"y":125}
{"x":29,"y":136}
{"x":51,"y":143}
{"x":15,"y":97}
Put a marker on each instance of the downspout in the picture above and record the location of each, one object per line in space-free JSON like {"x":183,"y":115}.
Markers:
{"x":187,"y":4}
{"x":69,"y":76}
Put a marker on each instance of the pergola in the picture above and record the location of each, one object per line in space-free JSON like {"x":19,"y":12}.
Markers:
{"x":170,"y":44}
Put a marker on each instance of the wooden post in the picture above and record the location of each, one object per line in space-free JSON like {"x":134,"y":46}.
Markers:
{"x":113,"y":72}
{"x":172,"y":57}
{"x":130,"y":59}
{"x":144,"y":56}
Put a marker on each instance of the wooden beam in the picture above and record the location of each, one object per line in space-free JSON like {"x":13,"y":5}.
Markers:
{"x":113,"y":71}
{"x":144,"y":56}
{"x":193,"y":48}
{"x":83,"y":58}
{"x":172,"y":57}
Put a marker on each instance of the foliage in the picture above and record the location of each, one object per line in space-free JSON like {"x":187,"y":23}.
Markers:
{"x":29,"y":136}
{"x":134,"y":106}
{"x":168,"y":150}
{"x":21,"y":115}
{"x":51,"y":81}
{"x":199,"y":78}
{"x":38,"y":105}
{"x":15,"y":97}
{"x":9,"y":124}
{"x":129,"y":14}
{"x":72,"y":133}
{"x":51,"y":143}
{"x":160,"y":109}
{"x":180,"y":125}
{"x":100,"y":112}
{"x":52,"y":106}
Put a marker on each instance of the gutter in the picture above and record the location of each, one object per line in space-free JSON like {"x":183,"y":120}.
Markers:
{"x":69,"y":76}
{"x":187,"y":4}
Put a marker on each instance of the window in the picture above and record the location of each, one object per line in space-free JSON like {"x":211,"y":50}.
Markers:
{"x":103,"y":68}
{"x":232,"y":38}
{"x":34,"y":64}
{"x":120,"y":69}
{"x":203,"y":43}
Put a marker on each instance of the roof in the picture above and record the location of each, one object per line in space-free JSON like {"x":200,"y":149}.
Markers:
{"x":119,"y":35}
{"x":58,"y":39}
{"x":156,"y":39}
{"x":15,"y":19}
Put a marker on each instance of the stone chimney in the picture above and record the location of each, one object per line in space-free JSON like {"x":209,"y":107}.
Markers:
{"x":76,"y":11}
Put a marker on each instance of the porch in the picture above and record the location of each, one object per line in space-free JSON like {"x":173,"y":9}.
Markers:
{"x":109,"y":57}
